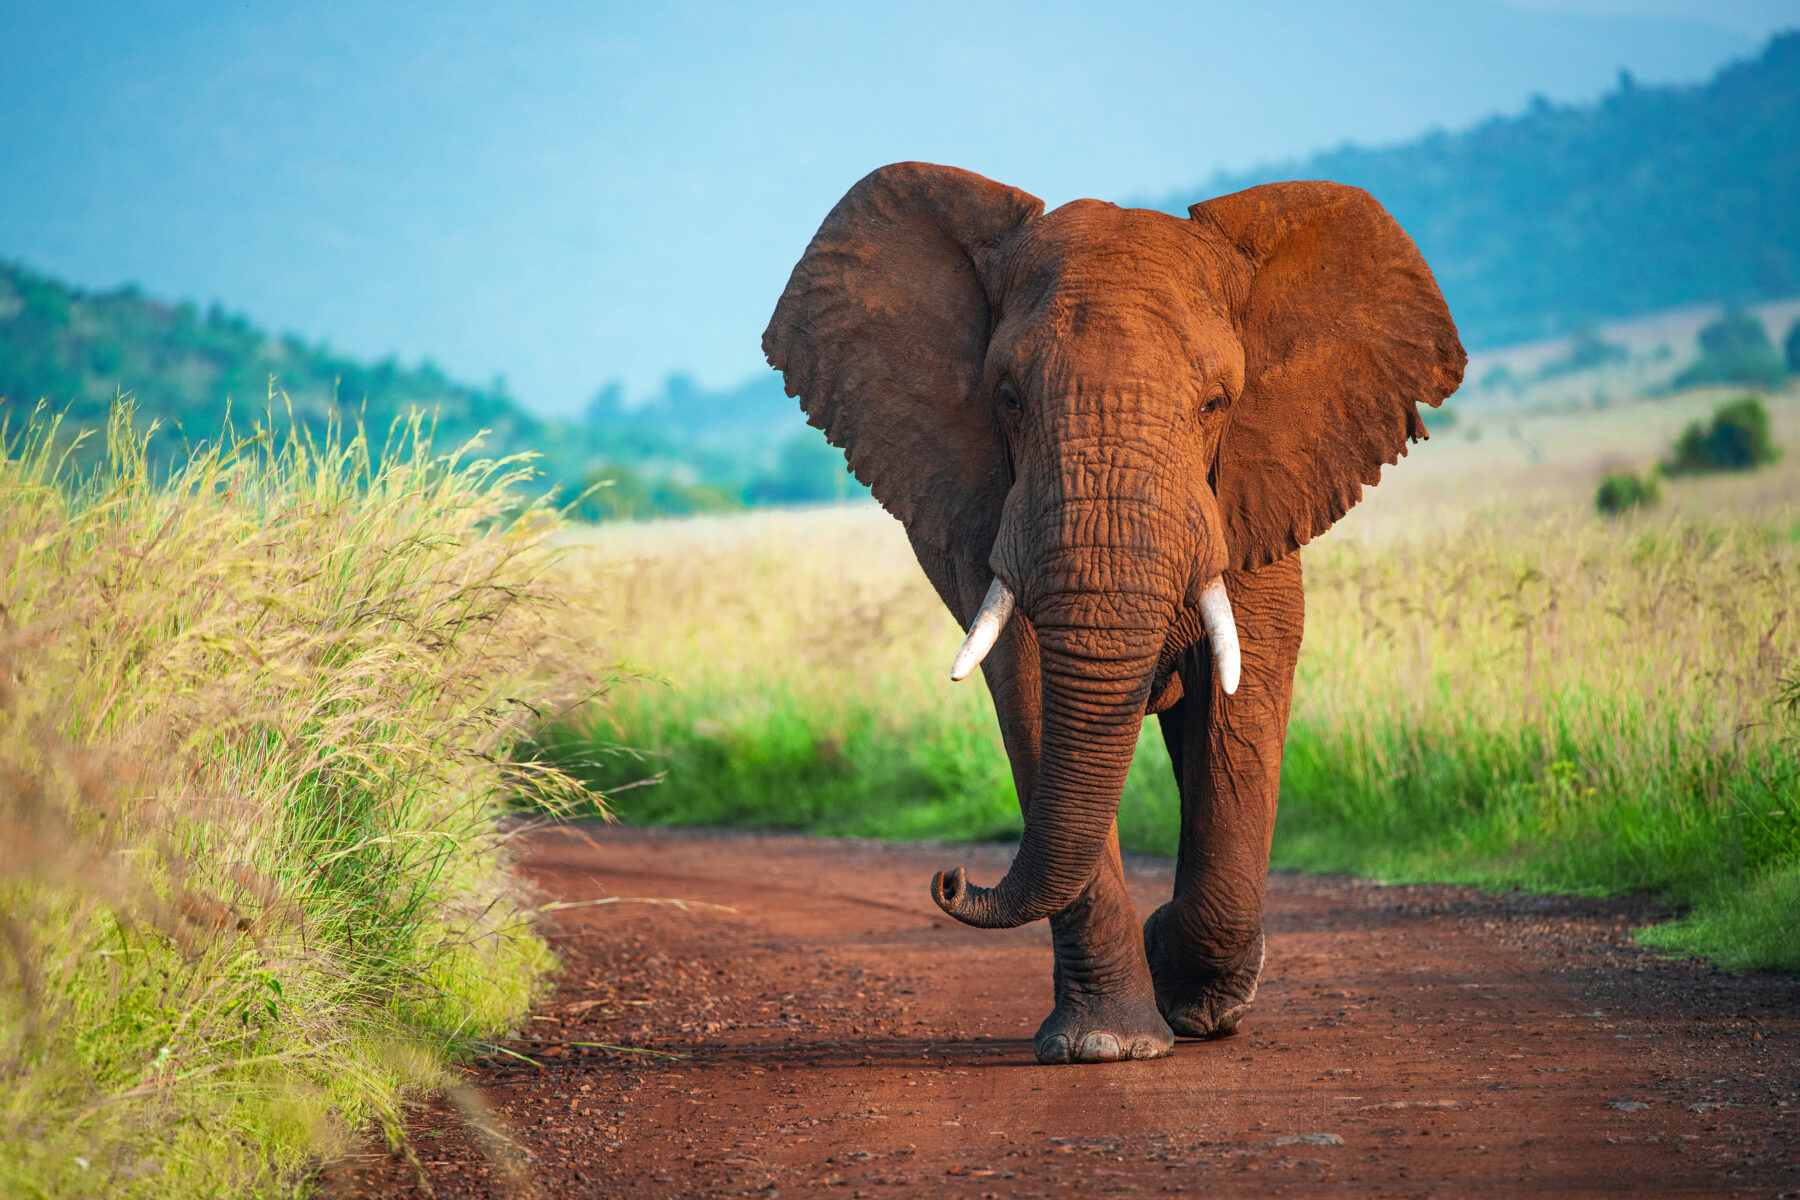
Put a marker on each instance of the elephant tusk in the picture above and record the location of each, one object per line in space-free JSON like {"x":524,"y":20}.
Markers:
{"x":984,"y":631}
{"x":1221,"y":631}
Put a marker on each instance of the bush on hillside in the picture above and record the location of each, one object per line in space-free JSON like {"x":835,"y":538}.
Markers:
{"x":1737,"y":440}
{"x":1587,"y":350}
{"x":1622,"y":491}
{"x":1440,"y":419}
{"x":621,"y":491}
{"x":1734,"y":349}
{"x":809,"y":470}
{"x":1791,"y":348}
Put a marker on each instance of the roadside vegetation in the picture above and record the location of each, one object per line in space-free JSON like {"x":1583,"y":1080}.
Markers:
{"x":1513,"y":692}
{"x":1563,"y":706}
{"x":254,"y":711}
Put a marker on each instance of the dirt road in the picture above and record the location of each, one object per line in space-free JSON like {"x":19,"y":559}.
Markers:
{"x":841,"y":1038}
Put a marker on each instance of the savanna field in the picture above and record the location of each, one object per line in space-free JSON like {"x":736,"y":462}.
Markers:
{"x":272,"y":714}
{"x":1497,"y":686}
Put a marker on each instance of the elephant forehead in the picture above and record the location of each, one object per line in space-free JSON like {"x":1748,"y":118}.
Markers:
{"x":1123,"y":291}
{"x":1092,"y":244}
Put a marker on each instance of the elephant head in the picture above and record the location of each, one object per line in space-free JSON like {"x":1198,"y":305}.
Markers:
{"x":1108,"y":407}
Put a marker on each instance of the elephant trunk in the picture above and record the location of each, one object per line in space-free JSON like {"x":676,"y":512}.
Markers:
{"x":1095,"y":682}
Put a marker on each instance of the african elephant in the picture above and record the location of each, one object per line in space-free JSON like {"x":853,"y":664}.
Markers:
{"x":1108,"y":432}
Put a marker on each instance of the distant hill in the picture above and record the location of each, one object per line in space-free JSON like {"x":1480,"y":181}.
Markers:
{"x":729,"y":429}
{"x":687,"y":450}
{"x":752,"y":435}
{"x":78,"y":349}
{"x":1652,"y":198}
{"x":1537,"y":225}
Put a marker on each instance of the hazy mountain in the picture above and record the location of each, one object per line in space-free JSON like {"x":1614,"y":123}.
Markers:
{"x":1651,"y":198}
{"x":686,"y":450}
{"x":78,"y":349}
{"x":1536,"y":224}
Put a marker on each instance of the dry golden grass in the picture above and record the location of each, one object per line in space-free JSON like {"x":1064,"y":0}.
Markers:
{"x":1523,"y":464}
{"x":823,"y":600}
{"x":1496,"y":685}
{"x":251,"y":720}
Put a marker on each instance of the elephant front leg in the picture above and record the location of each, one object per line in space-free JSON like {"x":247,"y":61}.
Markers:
{"x":1106,"y":1006}
{"x":1105,"y":1000}
{"x":1205,"y":947}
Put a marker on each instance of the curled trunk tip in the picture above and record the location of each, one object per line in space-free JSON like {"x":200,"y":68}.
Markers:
{"x":978,"y":906}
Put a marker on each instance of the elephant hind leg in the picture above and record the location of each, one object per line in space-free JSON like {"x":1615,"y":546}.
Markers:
{"x":1206,"y":947}
{"x":1198,"y":998}
{"x":1171,"y":719}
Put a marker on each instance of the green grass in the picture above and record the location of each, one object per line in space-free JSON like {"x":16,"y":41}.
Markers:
{"x":1565,"y":706}
{"x":849,"y":773}
{"x":252,"y":716}
{"x":1555,"y":702}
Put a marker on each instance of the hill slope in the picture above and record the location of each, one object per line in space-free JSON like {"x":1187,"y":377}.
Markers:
{"x":1536,"y":224}
{"x":1652,"y":198}
{"x":78,"y":349}
{"x":686,"y":450}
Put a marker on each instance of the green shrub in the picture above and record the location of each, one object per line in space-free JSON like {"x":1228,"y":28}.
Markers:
{"x":1622,"y":491}
{"x":1439,"y":420}
{"x":1791,"y":349}
{"x":1587,"y":350}
{"x":622,"y":491}
{"x":1737,"y":440}
{"x":1734,"y":349}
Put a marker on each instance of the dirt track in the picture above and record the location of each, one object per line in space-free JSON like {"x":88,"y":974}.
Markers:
{"x":841,"y":1038}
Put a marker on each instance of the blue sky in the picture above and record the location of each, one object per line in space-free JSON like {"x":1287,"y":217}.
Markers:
{"x":571,"y":193}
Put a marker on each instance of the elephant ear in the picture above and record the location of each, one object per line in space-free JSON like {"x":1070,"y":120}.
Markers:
{"x":1345,"y":334}
{"x":882,"y":333}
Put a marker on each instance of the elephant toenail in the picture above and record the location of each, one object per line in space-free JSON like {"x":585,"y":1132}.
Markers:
{"x":1053,"y":1049}
{"x":1229,"y":1019}
{"x":1099,"y":1047}
{"x":1143,"y":1048}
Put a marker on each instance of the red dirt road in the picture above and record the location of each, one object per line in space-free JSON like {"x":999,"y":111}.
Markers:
{"x":841,"y":1038}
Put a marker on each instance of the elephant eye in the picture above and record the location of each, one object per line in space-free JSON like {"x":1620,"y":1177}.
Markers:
{"x":1009,"y":396}
{"x":1214,"y":403}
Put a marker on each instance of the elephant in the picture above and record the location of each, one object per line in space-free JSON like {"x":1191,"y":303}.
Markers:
{"x":1108,"y":432}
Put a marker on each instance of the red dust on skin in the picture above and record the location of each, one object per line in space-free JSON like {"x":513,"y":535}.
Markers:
{"x":840,"y":1037}
{"x":1107,"y":411}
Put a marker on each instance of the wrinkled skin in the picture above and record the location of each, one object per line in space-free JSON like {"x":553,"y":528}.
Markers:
{"x":1107,"y":409}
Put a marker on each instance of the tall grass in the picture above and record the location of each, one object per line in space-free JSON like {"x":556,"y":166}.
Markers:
{"x":1561,"y":705}
{"x":253,"y":713}
{"x":1543,"y":699}
{"x":790,"y":671}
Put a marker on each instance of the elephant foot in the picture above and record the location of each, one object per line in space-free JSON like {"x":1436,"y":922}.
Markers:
{"x":1092,"y":1029}
{"x":1199,"y":996}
